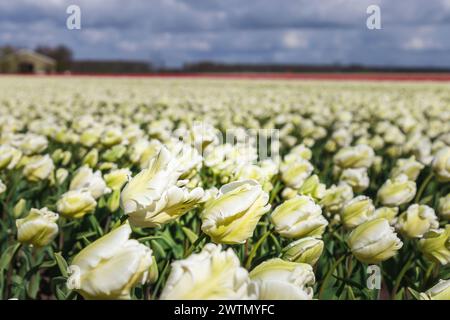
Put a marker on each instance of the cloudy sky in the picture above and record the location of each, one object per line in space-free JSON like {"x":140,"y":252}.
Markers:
{"x":414,"y":32}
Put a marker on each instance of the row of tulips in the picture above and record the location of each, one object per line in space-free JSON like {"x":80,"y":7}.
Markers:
{"x":127,"y":189}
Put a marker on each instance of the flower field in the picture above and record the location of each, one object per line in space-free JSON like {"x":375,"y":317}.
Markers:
{"x":135,"y":188}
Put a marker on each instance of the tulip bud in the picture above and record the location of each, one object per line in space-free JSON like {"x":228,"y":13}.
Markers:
{"x":38,"y":228}
{"x":444,"y":207}
{"x":356,"y":178}
{"x":417,"y":220}
{"x":441,"y":164}
{"x":115,"y":153}
{"x":302,"y":151}
{"x":66,"y":157}
{"x":232,"y":215}
{"x":76,"y":203}
{"x":211,"y":274}
{"x":313,"y":188}
{"x":360,"y":156}
{"x":90,"y":137}
{"x":330,"y":146}
{"x":61,"y":175}
{"x":111,"y":266}
{"x":336,"y":196}
{"x":288,"y":193}
{"x":299,"y":217}
{"x":388,"y":213}
{"x":9,"y":157}
{"x":410,"y":167}
{"x":435,"y":245}
{"x":440,"y":291}
{"x":91,"y":158}
{"x":111,"y":136}
{"x":153,"y":273}
{"x":19,"y":208}
{"x":377,"y":164}
{"x":254,"y":172}
{"x":105,"y":166}
{"x":357,"y":211}
{"x":305,"y":250}
{"x":57,"y":155}
{"x":38,"y":168}
{"x":2,"y":187}
{"x":397,"y":191}
{"x":86,"y":179}
{"x":277,"y":279}
{"x":113,"y":202}
{"x":374,"y":241}
{"x":117,"y":178}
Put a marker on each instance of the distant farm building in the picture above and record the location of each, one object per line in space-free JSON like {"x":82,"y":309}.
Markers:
{"x":25,"y":61}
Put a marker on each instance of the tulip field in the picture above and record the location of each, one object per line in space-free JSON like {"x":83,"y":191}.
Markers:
{"x":180,"y":188}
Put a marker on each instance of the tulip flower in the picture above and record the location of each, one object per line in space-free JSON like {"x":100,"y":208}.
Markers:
{"x":357,"y":211}
{"x":76,"y":203}
{"x":277,"y":279}
{"x":152,"y":198}
{"x":360,"y":156}
{"x":305,"y":250}
{"x":111,"y":266}
{"x":212,"y":274}
{"x":313,"y":188}
{"x":441,"y":164}
{"x":444,"y":207}
{"x":232,"y":215}
{"x":388,"y":213}
{"x":397,"y":191}
{"x":356,"y":178}
{"x":336,"y":196}
{"x":440,"y":291}
{"x":9,"y":157}
{"x":38,"y":168}
{"x":86,"y":179}
{"x":116,"y":179}
{"x":374,"y":241}
{"x":410,"y":167}
{"x":417,"y":220}
{"x":435,"y":245}
{"x":295,"y":172}
{"x":299,"y":217}
{"x":38,"y":228}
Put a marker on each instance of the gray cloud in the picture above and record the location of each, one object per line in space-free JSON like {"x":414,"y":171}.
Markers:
{"x":286,"y":31}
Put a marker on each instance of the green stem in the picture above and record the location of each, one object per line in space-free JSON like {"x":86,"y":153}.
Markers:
{"x":195,"y":245}
{"x":401,"y":274}
{"x":329,"y":273}
{"x":275,"y":191}
{"x":423,"y":187}
{"x":428,"y":272}
{"x":255,"y":248}
{"x":9,"y":274}
{"x":143,"y":239}
{"x":162,"y":276}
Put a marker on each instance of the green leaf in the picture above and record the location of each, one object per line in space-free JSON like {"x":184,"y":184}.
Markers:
{"x":33,"y":286}
{"x":95,"y":225}
{"x":399,"y":294}
{"x":191,"y":235}
{"x":60,"y":295}
{"x":8,"y":255}
{"x":414,"y":293}
{"x":62,"y":263}
{"x":157,"y":248}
